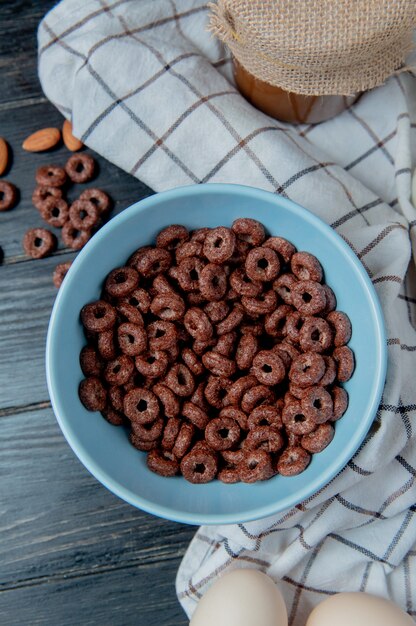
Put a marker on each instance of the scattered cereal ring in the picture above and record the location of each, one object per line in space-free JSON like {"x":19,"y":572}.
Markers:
{"x":39,"y":242}
{"x":172,"y":236}
{"x":73,"y":237}
{"x":98,"y":197}
{"x":307,"y":369}
{"x":319,"y":439}
{"x":317,"y":404}
{"x":141,"y":406}
{"x":54,"y":211}
{"x":119,"y":370}
{"x":292,"y":461}
{"x":219,"y":245}
{"x":342,"y":326}
{"x":60,"y":272}
{"x":249,"y":230}
{"x":222,"y":433}
{"x":268,"y":367}
{"x":83,"y":214}
{"x":308,"y":297}
{"x":42,"y":193}
{"x":344,"y":358}
{"x":92,"y":394}
{"x":50,"y":176}
{"x":80,"y":168}
{"x":306,"y":266}
{"x":262,"y":265}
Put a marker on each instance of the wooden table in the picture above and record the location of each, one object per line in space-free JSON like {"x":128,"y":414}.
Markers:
{"x":71,"y":551}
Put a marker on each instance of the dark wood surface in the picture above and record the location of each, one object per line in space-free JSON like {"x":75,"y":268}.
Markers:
{"x":70,"y":551}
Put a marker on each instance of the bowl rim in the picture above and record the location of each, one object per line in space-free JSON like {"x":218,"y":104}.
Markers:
{"x":313,"y":487}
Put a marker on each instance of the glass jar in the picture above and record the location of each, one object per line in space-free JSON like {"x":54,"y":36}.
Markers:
{"x":286,"y":106}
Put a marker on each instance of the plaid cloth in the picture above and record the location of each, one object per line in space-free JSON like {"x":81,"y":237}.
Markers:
{"x":146,"y":86}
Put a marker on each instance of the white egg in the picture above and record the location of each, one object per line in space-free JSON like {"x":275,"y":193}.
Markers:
{"x":243,"y":597}
{"x":358,"y":609}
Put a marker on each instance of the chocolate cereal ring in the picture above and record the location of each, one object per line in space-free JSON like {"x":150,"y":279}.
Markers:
{"x":141,"y":406}
{"x":263,"y":304}
{"x":83,"y":214}
{"x":50,"y":176}
{"x":319,"y":439}
{"x":163,"y":286}
{"x":218,"y":364}
{"x":213,"y":282}
{"x":229,"y":475}
{"x":216,"y":391}
{"x":168,"y":400}
{"x":73,"y":237}
{"x":113,"y":417}
{"x":90,"y":362}
{"x":283,"y":286}
{"x":256,"y":465}
{"x":92,"y":394}
{"x":183,"y":440}
{"x":275,"y":322}
{"x":287,"y":353}
{"x":226,"y":343}
{"x":153,"y":261}
{"x":242,"y":284}
{"x":98,"y":316}
{"x":344,"y":358}
{"x":98,"y":197}
{"x":308,"y":297}
{"x":293,"y":326}
{"x":39,"y":242}
{"x":282,"y":246}
{"x":249,"y":230}
{"x":330,"y":371}
{"x":152,"y":364}
{"x":222,"y":433}
{"x":236,"y":414}
{"x":162,"y":463}
{"x":116,"y":397}
{"x":295,"y":420}
{"x":106,"y":345}
{"x":256,"y":396}
{"x":43,"y":192}
{"x":292,"y":461}
{"x":315,"y":335}
{"x":60,"y":272}
{"x":162,"y":335}
{"x":340,"y":399}
{"x":239,"y":388}
{"x":144,"y":446}
{"x":172,"y":236}
{"x":306,"y":266}
{"x":219,"y":245}
{"x":195,"y":414}
{"x":80,"y":168}
{"x":140,"y":299}
{"x":217,"y":311}
{"x":128,"y":313}
{"x":8,"y":195}
{"x":331,"y":301}
{"x":192,"y":362}
{"x":342,"y":326}
{"x":232,"y":320}
{"x":262,"y":265}
{"x":200,"y":347}
{"x":121,"y":281}
{"x":246,"y":351}
{"x":188,"y":249}
{"x":180,"y":380}
{"x":268,"y":368}
{"x":198,"y":324}
{"x":188,"y":273}
{"x":307,"y":369}
{"x":148,"y":431}
{"x":170,"y":432}
{"x":317,"y":404}
{"x":168,"y":307}
{"x":199,"y":465}
{"x":119,"y":370}
{"x":132,"y":338}
{"x":265,"y":415}
{"x":54,"y":211}
{"x":265,"y":438}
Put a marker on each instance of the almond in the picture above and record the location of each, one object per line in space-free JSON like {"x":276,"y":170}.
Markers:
{"x":71,"y":142}
{"x":42,"y":140}
{"x":4,"y":156}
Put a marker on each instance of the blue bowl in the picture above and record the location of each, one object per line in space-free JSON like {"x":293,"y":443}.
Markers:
{"x":105,"y":450}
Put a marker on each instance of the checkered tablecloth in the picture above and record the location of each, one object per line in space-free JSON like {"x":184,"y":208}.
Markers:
{"x":146,"y":86}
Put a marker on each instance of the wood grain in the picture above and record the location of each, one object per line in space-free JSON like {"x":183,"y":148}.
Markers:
{"x":67,"y":541}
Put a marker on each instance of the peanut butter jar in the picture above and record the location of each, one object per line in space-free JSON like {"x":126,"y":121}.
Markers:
{"x":305,"y":61}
